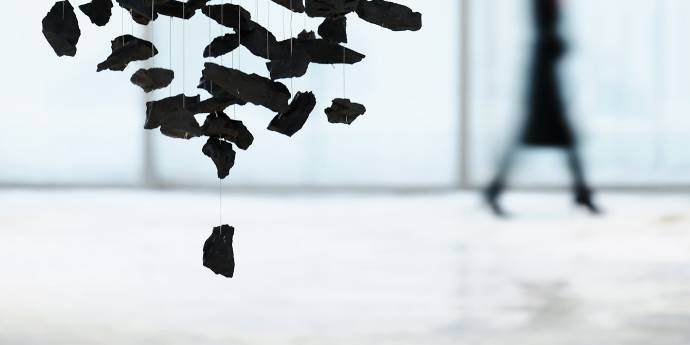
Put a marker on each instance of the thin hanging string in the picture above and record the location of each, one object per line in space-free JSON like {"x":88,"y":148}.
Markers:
{"x":122,"y":24}
{"x":291,"y":48}
{"x":184,"y":106}
{"x":153,"y":27}
{"x":132,"y":21}
{"x":268,"y":28}
{"x":210,"y":42}
{"x":63,"y":9}
{"x":170,"y":51}
{"x":344,"y":79}
{"x":222,"y":26}
{"x":239,"y":34}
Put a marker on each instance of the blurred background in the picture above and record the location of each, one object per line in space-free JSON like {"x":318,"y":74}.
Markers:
{"x":369,"y":234}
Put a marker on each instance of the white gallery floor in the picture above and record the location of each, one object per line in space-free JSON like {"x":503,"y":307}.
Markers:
{"x":124,"y":267}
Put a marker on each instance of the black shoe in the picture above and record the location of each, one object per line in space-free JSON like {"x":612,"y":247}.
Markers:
{"x":583,"y":198}
{"x":491,"y":195}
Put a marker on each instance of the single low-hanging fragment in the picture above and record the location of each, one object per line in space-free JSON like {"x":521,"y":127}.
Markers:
{"x":220,"y":125}
{"x":344,"y":111}
{"x":219,"y":256}
{"x":292,"y":120}
{"x":222,"y":45}
{"x":173,"y":116}
{"x":98,"y":11}
{"x":126,"y":49}
{"x":334,"y":29}
{"x":152,"y":78}
{"x":252,"y":88}
{"x":179,"y":9}
{"x":329,"y":8}
{"x":293,"y":5}
{"x":61,"y":29}
{"x":389,"y":15}
{"x":222,"y":154}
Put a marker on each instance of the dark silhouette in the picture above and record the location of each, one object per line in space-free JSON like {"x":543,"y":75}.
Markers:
{"x":546,"y":122}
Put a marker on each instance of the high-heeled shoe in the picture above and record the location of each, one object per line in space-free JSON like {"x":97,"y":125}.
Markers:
{"x":491,"y":196}
{"x":583,"y":198}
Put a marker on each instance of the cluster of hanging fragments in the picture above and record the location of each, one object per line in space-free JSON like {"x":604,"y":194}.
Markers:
{"x":175,"y":116}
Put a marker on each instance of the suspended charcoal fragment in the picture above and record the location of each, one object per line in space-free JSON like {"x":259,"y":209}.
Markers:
{"x":258,"y":40}
{"x":181,"y":125}
{"x":320,"y":51}
{"x":141,"y":10}
{"x":152,"y":79}
{"x":219,"y":256}
{"x":344,"y":111}
{"x":252,"y":88}
{"x":219,"y":125}
{"x":231,"y":16}
{"x":294,"y":66}
{"x":126,"y":49}
{"x":330,"y":8}
{"x":334,"y":29}
{"x":389,"y":15}
{"x":222,"y":45}
{"x":222,"y":154}
{"x":215,"y":104}
{"x":296,"y":6}
{"x":61,"y":29}
{"x":173,"y":116}
{"x":98,"y":11}
{"x":179,"y":9}
{"x":292,"y":120}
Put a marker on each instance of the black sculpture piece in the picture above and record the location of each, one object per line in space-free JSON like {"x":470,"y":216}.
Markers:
{"x":176,"y":116}
{"x":219,"y":255}
{"x":546,"y":122}
{"x":98,"y":11}
{"x":61,"y":29}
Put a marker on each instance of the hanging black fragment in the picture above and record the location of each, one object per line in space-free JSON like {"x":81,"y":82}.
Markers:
{"x":293,"y":5}
{"x":126,"y":49}
{"x":258,"y":40}
{"x":153,"y":78}
{"x":320,"y":51}
{"x":222,"y":45}
{"x":179,"y":9}
{"x":252,"y":88}
{"x":329,"y":8}
{"x":215,"y":103}
{"x":61,"y":29}
{"x":294,"y":66}
{"x":219,"y":256}
{"x":231,"y":16}
{"x":141,"y":10}
{"x":389,"y":15}
{"x":98,"y":11}
{"x":334,"y":29}
{"x":344,"y":111}
{"x":158,"y":111}
{"x":222,"y":154}
{"x":292,"y":120}
{"x":181,"y":125}
{"x":220,"y":125}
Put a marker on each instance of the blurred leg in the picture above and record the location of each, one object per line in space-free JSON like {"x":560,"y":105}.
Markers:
{"x":497,"y":185}
{"x":583,"y":194}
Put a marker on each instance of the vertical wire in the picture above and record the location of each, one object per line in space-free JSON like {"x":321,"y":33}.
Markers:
{"x":291,"y":47}
{"x":63,"y":9}
{"x":222,"y":26}
{"x":153,"y":27}
{"x":132,"y":22}
{"x":184,"y":106}
{"x":268,"y":28}
{"x":170,"y":48}
{"x":122,"y":24}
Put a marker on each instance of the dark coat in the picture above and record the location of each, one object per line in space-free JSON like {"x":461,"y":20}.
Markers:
{"x":547,"y":120}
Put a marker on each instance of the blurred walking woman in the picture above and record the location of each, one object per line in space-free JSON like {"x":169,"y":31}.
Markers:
{"x":546,"y":122}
